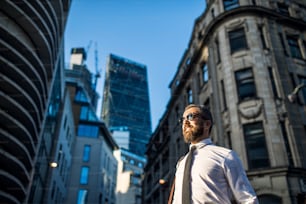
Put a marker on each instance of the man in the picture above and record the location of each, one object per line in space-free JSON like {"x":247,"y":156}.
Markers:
{"x":216,"y":173}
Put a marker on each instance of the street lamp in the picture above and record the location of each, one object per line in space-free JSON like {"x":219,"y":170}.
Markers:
{"x":292,"y":96}
{"x":162,"y":181}
{"x":53,"y":164}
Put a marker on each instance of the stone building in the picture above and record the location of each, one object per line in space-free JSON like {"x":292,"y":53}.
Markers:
{"x":243,"y":59}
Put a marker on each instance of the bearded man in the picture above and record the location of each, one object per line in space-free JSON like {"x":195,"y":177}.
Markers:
{"x":208,"y":173}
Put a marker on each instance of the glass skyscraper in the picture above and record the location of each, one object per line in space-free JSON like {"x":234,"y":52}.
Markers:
{"x":126,"y":101}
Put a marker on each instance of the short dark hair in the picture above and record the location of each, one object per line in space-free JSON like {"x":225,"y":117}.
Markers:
{"x":204,"y":111}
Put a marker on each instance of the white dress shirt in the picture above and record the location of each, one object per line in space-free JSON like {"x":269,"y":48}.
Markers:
{"x":217,"y":176}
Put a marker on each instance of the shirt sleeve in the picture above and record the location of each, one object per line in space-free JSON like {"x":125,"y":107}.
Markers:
{"x":238,"y":181}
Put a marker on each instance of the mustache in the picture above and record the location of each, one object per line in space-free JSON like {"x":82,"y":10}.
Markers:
{"x":186,"y":127}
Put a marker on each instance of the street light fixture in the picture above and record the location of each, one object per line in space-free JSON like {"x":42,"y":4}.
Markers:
{"x":162,"y":181}
{"x":292,"y":96}
{"x":53,"y":164}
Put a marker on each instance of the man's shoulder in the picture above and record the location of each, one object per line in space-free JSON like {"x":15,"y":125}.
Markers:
{"x":220,"y":149}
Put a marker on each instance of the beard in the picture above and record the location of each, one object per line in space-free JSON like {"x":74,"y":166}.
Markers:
{"x":193,"y":133}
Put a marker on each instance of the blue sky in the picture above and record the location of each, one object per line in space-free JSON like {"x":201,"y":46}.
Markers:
{"x":151,"y":32}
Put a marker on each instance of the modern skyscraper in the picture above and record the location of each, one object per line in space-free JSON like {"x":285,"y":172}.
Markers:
{"x":126,"y":101}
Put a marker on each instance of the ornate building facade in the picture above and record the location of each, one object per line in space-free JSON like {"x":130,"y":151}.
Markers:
{"x":243,"y":59}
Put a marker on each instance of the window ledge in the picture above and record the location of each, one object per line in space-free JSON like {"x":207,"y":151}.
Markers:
{"x":240,"y":53}
{"x":299,"y":61}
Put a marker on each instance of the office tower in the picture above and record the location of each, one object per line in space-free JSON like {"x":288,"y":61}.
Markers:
{"x":31,"y":59}
{"x":94,"y":167}
{"x":126,"y":100}
{"x":243,"y":59}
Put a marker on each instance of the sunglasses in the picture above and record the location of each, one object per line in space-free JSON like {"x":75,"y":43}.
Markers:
{"x":189,"y":117}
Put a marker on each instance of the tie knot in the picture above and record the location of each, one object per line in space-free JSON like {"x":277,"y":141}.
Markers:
{"x":192,"y":148}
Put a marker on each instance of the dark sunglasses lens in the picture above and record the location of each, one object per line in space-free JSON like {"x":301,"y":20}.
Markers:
{"x":190,"y":117}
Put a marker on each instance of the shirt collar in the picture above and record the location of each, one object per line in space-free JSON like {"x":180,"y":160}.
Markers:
{"x":201,"y":144}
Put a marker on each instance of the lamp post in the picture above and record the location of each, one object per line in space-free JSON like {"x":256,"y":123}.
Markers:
{"x":292,"y":96}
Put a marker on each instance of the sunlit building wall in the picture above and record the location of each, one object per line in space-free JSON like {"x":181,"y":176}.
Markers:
{"x":126,"y":100}
{"x":243,"y":59}
{"x":122,"y":136}
{"x":129,"y":177}
{"x":31,"y":59}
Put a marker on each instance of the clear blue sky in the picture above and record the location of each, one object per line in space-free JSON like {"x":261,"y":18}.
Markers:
{"x":151,"y":32}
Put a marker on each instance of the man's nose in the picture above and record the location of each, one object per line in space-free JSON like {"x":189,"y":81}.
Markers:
{"x":186,"y":121}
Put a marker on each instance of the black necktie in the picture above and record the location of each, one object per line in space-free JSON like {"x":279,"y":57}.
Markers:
{"x":186,"y":195}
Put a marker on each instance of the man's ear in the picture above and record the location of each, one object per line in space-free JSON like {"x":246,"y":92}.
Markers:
{"x":207,"y":124}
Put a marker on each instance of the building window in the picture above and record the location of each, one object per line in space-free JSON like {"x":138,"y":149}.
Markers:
{"x":212,"y":13}
{"x":286,"y":143}
{"x":86,"y":153}
{"x":268,"y":198}
{"x":230,"y":4}
{"x":88,"y":130}
{"x":273,"y":85}
{"x":283,"y":44}
{"x":294,"y":47}
{"x":189,"y":96}
{"x":262,"y":37}
{"x":229,"y":139}
{"x":223,"y":96}
{"x":80,"y":96}
{"x":256,"y":146}
{"x":84,"y":175}
{"x":217,"y":51}
{"x":82,"y":196}
{"x":303,"y":89}
{"x":283,"y":9}
{"x":237,"y":40}
{"x":87,"y":114}
{"x":188,"y":61}
{"x":245,"y":84}
{"x":205,"y":73}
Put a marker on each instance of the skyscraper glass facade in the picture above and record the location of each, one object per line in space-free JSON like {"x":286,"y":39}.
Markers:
{"x":126,"y":100}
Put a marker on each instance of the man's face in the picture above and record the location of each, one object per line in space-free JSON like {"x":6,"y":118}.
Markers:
{"x":192,"y":125}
